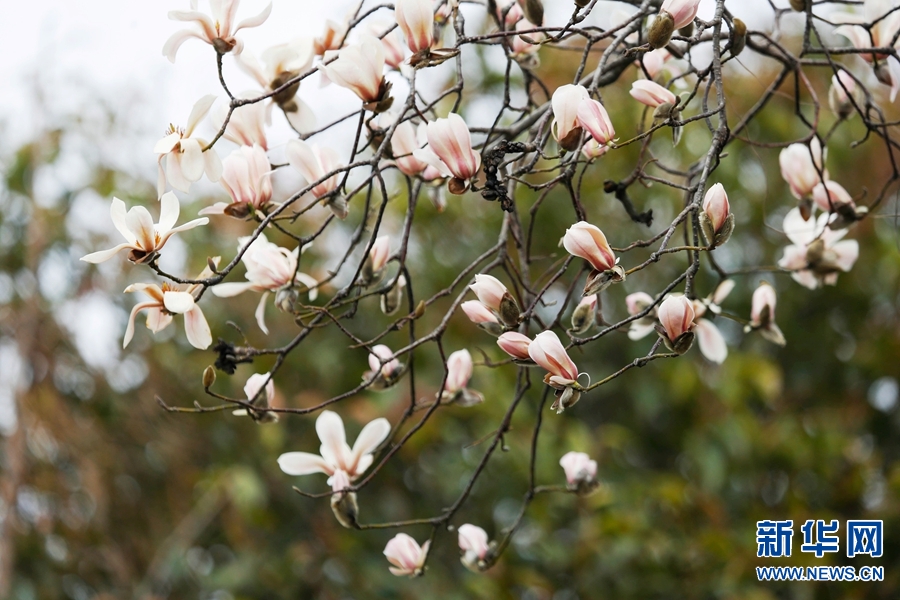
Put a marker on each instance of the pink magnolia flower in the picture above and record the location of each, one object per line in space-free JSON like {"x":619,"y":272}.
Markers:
{"x":182,"y":152}
{"x":841,"y":94}
{"x":681,"y":11}
{"x":416,"y":20}
{"x":252,"y":390}
{"x":381,"y":251}
{"x":459,"y":371}
{"x":406,"y":555}
{"x":513,"y":12}
{"x":637,"y":303}
{"x":658,"y":61}
{"x":144,"y":238}
{"x":473,"y":543}
{"x":818,"y":253}
{"x":394,"y":50}
{"x":548,"y":352}
{"x":270,"y":269}
{"x":450,"y":151}
{"x":330,"y":38}
{"x":651,"y":93}
{"x":216,"y":29}
{"x":762,"y":314}
{"x":798,"y":168}
{"x":515,"y":344}
{"x":830,"y":196}
{"x":715,"y":205}
{"x":405,"y":141}
{"x":587,"y":241}
{"x":360,"y":69}
{"x":478,"y":313}
{"x":579,"y":467}
{"x":314,"y":163}
{"x":593,"y":149}
{"x":336,"y":454}
{"x":490,"y":291}
{"x":247,"y":125}
{"x":885,"y":20}
{"x":246,"y":176}
{"x":676,"y":314}
{"x":524,"y":49}
{"x":382,"y":363}
{"x":565,"y":102}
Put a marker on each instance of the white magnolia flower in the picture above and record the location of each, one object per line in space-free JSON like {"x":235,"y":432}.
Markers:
{"x":142,"y":236}
{"x":336,"y":454}
{"x":183,"y":153}
{"x":216,"y":28}
{"x":818,"y":253}
{"x":270,"y":268}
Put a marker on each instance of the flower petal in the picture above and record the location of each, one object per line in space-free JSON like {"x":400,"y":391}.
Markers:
{"x":197,"y":329}
{"x":368,"y":440}
{"x":330,"y":429}
{"x":178,"y":302}
{"x":712,"y":344}
{"x":303,"y":463}
{"x":168,"y":212}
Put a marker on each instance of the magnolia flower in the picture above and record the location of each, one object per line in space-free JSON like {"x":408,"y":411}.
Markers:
{"x":524,"y":47}
{"x":676,"y":314}
{"x":270,"y":269}
{"x":253,"y":390}
{"x":360,"y":69}
{"x":798,"y":168}
{"x":762,"y":314}
{"x":449,"y":150}
{"x":406,"y":555}
{"x":144,"y":238}
{"x":548,"y":352}
{"x":885,"y":20}
{"x":172,"y":299}
{"x":574,"y":111}
{"x":474,"y":546}
{"x":515,"y":344}
{"x":593,"y":149}
{"x":513,"y":12}
{"x":384,"y":368}
{"x":637,"y":303}
{"x":494,"y":296}
{"x":830,"y":196}
{"x":280,"y":64}
{"x":331,"y":38}
{"x":459,"y":372}
{"x":336,"y":455}
{"x":215,"y":29}
{"x":586,"y":314}
{"x":651,"y":93}
{"x":587,"y":241}
{"x":416,"y":20}
{"x":579,"y":468}
{"x":404,"y":142}
{"x":183,"y":153}
{"x":315,"y":163}
{"x":246,"y":176}
{"x":842,"y":94}
{"x":818,"y":253}
{"x":394,"y":50}
{"x":247,"y":124}
{"x":716,"y":220}
{"x":373,"y":267}
{"x":659,"y":61}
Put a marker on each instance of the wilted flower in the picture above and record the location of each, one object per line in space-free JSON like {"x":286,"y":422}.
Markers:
{"x":762,"y":314}
{"x":406,"y":555}
{"x":459,"y":372}
{"x":716,"y":220}
{"x":246,"y":176}
{"x":416,"y":20}
{"x":798,"y":168}
{"x":280,"y":64}
{"x":587,"y":241}
{"x":548,"y":352}
{"x":581,"y":471}
{"x":474,"y":546}
{"x":676,"y":314}
{"x":172,"y":299}
{"x":214,"y":29}
{"x":360,"y":69}
{"x":818,"y":253}
{"x":270,"y":268}
{"x":515,"y":344}
{"x":384,"y":368}
{"x":144,"y":238}
{"x":183,"y":153}
{"x":449,"y":150}
{"x":336,"y":454}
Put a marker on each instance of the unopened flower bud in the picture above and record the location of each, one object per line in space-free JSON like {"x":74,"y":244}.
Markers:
{"x":584,"y":315}
{"x":346,"y":509}
{"x":581,"y":472}
{"x":534,"y":11}
{"x":209,"y":377}
{"x":582,"y":3}
{"x":509,"y":310}
{"x":738,"y":36}
{"x":799,"y":5}
{"x":598,"y":281}
{"x":339,"y":207}
{"x":457,"y":186}
{"x":661,"y":31}
{"x":285,"y":299}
